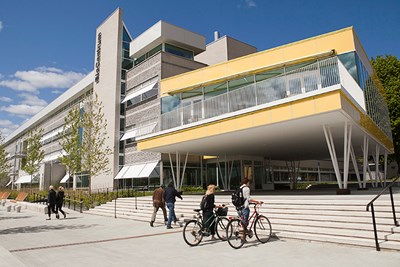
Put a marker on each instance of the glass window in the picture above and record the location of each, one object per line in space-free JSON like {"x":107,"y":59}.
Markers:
{"x":139,"y":59}
{"x":349,"y":61}
{"x":215,"y":89}
{"x":241,"y":82}
{"x":178,"y":51}
{"x":268,"y":74}
{"x":169,"y":103}
{"x":134,"y":100}
{"x":192,"y":93}
{"x":300,"y":65}
{"x":310,"y":83}
{"x":154,"y":50}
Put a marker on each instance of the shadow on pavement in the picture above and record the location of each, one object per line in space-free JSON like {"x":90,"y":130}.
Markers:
{"x":42,"y":228}
{"x":14,"y":217}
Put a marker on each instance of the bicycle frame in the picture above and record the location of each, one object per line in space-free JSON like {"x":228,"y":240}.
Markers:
{"x":252,"y":218}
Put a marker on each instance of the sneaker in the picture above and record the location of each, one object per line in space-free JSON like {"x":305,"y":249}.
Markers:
{"x":57,"y":216}
{"x":151,"y":224}
{"x":169,"y":227}
{"x":65,"y":215}
{"x":48,"y":219}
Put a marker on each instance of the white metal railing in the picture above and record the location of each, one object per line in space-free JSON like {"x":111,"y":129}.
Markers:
{"x":313,"y":77}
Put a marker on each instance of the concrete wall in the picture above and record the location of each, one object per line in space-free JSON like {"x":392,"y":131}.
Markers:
{"x":107,"y":85}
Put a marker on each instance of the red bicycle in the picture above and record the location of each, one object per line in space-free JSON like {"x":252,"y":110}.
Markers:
{"x":237,"y":233}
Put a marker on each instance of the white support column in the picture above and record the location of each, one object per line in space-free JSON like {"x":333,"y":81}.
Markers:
{"x":161,"y":172}
{"x":365,"y":160}
{"x":332,"y":152}
{"x":346,"y":153}
{"x":355,"y":165}
{"x":385,"y":169}
{"x":220,"y":175}
{"x":230,"y":175}
{"x":172,"y":168}
{"x":377,"y":172}
{"x":178,"y":169}
{"x":184,"y":169}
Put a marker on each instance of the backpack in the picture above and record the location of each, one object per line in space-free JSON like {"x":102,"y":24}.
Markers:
{"x":237,"y":198}
{"x":204,"y":203}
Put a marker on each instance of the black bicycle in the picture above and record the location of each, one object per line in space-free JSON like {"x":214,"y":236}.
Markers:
{"x":193,"y":231}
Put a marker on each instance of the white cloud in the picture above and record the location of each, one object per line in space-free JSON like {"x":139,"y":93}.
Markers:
{"x":57,"y":92}
{"x":42,"y":78}
{"x":247,"y":4}
{"x":32,"y":100}
{"x":22,"y":110}
{"x":1,"y":26}
{"x":7,"y":127}
{"x":5,"y":99}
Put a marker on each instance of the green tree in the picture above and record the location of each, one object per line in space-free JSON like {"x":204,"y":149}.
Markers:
{"x":95,"y":151}
{"x":5,"y":166}
{"x":34,"y":152}
{"x":387,"y":69}
{"x":71,"y":142}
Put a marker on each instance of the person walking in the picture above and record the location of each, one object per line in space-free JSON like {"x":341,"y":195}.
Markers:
{"x":60,"y":201}
{"x":158,"y":202}
{"x":207,"y":205}
{"x":169,"y":195}
{"x":51,"y":202}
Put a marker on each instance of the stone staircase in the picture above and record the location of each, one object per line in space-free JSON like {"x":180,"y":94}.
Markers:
{"x":319,"y":218}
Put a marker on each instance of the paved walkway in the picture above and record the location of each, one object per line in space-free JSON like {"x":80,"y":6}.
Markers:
{"x":27,"y":239}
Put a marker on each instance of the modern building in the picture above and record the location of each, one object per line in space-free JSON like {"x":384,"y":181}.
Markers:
{"x":179,"y":110}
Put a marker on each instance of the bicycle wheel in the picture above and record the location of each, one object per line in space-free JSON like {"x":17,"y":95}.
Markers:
{"x":262,"y":229}
{"x":220,"y":227}
{"x":192,"y":233}
{"x":234,"y":233}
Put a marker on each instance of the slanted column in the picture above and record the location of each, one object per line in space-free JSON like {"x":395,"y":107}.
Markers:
{"x":365,"y":161}
{"x":355,"y":165}
{"x":346,"y":154}
{"x":332,"y":152}
{"x":177,"y":175}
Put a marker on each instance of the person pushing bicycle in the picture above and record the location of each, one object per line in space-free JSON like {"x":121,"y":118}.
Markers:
{"x":245,"y":211}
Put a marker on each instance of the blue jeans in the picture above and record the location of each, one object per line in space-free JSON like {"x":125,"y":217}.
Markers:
{"x":245,"y":216}
{"x":171,"y":213}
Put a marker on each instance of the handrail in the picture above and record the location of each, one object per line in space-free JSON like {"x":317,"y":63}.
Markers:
{"x":371,"y":204}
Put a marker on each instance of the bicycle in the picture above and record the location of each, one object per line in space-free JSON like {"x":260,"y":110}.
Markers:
{"x":193,"y":231}
{"x":236,"y":232}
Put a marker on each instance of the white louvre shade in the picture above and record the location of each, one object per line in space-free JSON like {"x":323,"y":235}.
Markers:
{"x":139,"y":92}
{"x":137,"y":171}
{"x":129,"y":134}
{"x":24,"y":179}
{"x":64,"y":179}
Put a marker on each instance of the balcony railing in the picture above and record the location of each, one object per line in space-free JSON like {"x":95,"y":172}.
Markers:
{"x":314,"y":77}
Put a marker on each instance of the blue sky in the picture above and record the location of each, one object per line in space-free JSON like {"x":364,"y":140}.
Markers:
{"x":46,"y":45}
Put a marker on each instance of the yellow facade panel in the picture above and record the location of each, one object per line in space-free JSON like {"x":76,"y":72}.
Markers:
{"x":342,"y":42}
{"x":261,"y":118}
{"x":327,"y":102}
{"x":273,"y":57}
{"x":303,"y":108}
{"x":281,"y":113}
{"x":300,"y":50}
{"x":238,"y":67}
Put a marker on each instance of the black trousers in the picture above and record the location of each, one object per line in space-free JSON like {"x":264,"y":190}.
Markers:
{"x":51,"y":208}
{"x":208,"y":221}
{"x":59,"y":209}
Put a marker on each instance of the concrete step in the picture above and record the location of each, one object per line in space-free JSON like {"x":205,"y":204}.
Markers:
{"x":313,"y":218}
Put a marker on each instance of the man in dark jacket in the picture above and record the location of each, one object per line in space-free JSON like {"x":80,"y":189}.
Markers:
{"x":169,"y":196}
{"x":158,"y":202}
{"x":60,"y":201}
{"x":51,"y":202}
